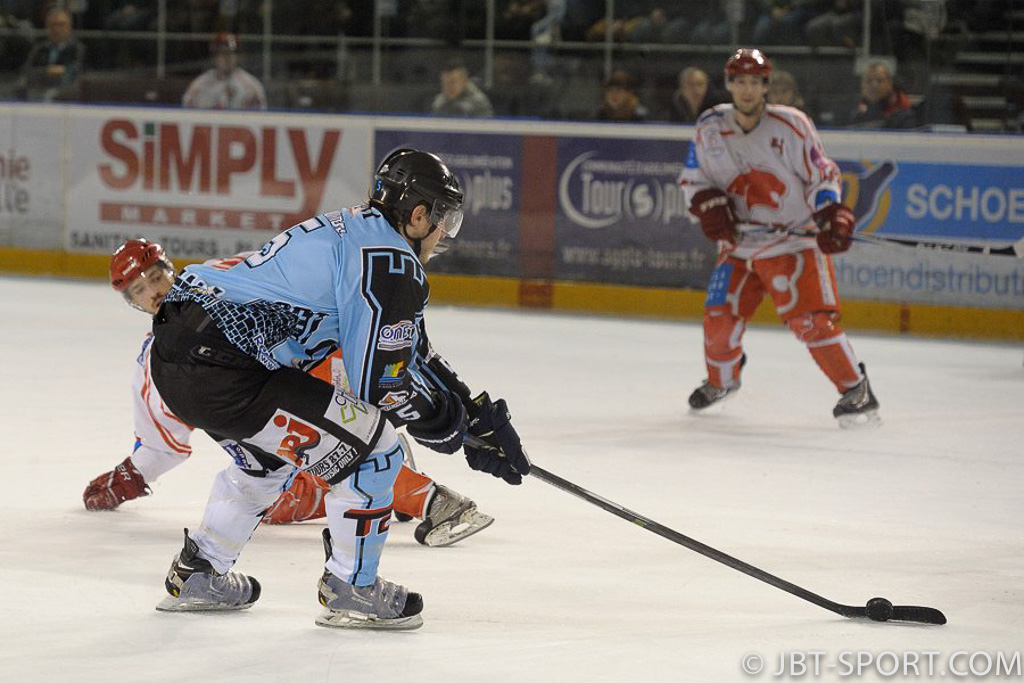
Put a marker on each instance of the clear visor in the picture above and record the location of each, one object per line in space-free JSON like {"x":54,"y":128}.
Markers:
{"x":148,"y":290}
{"x":446,"y":217}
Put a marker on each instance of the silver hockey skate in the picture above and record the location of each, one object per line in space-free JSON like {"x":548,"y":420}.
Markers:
{"x":384,"y":605}
{"x":706,"y":395}
{"x":194,"y":586}
{"x":858,"y":407}
{"x":450,"y":518}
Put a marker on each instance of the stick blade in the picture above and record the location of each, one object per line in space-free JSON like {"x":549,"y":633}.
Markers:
{"x":920,"y":615}
{"x":909,"y":613}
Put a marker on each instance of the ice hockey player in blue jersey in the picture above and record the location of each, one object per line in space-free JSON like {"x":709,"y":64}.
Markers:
{"x":229,"y":353}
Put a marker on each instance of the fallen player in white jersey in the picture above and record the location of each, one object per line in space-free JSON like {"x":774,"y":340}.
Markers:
{"x":141,"y":271}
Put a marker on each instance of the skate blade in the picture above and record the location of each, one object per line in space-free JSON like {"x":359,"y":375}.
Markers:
{"x":172,"y":604}
{"x":869,"y":419}
{"x":470,"y":522}
{"x":347,"y":619}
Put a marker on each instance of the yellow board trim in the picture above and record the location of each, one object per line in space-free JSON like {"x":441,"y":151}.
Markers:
{"x":586,"y":297}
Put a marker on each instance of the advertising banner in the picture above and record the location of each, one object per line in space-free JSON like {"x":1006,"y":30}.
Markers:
{"x":206,"y":184}
{"x":622,"y":217}
{"x":934,"y":202}
{"x":489,"y":168}
{"x":31,"y":179}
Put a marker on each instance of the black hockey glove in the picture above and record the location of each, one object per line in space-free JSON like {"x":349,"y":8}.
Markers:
{"x":493,"y":446}
{"x":445,"y":431}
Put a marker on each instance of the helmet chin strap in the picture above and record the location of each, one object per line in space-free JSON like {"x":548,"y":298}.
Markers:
{"x":417,"y":242}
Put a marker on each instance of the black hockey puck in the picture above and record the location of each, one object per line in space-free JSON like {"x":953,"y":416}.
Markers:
{"x":878,"y":609}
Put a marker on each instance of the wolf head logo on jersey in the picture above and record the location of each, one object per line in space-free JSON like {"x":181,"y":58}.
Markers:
{"x":758,"y":187}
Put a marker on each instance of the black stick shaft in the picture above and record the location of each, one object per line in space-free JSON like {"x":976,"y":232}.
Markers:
{"x":692,"y":544}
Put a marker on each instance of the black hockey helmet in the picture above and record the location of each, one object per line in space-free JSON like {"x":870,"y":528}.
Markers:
{"x":407,"y":178}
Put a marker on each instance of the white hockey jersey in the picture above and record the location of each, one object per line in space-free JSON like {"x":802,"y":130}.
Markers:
{"x":777,"y":174}
{"x":239,"y":90}
{"x":161,"y":439}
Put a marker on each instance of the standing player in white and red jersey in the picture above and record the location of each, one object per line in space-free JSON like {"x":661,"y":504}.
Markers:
{"x":141,"y":271}
{"x":226,"y":85}
{"x":758,"y":164}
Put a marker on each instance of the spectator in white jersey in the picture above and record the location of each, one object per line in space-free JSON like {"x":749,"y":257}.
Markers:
{"x":226,"y":85}
{"x":761,"y":186}
{"x":229,"y":353}
{"x":142,"y":273}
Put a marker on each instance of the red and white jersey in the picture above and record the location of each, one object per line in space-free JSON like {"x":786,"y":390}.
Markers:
{"x":161,"y":439}
{"x":777,"y":174}
{"x":238,"y":90}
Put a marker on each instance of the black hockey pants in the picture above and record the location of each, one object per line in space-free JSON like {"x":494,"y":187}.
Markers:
{"x":279,"y":415}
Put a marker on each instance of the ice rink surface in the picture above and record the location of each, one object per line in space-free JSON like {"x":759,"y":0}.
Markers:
{"x":927,"y":509}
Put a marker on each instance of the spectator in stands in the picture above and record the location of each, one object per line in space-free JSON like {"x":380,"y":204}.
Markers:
{"x":882,"y":104}
{"x":782,"y":89}
{"x":669,"y":22}
{"x":781,"y":22}
{"x":55,"y":63}
{"x":693,"y":96}
{"x":459,"y":95}
{"x":16,"y":43}
{"x":226,"y":85}
{"x":619,"y":100}
{"x":712,"y":25}
{"x":516,"y":17}
{"x":839,"y":26}
{"x":629,"y":14}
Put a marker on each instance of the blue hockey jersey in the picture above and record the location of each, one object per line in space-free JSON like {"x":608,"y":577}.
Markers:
{"x":341,"y":280}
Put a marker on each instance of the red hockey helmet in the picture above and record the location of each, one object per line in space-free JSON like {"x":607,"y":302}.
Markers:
{"x":223,"y":42}
{"x":132,"y":274}
{"x":748,"y":61}
{"x":133,"y":257}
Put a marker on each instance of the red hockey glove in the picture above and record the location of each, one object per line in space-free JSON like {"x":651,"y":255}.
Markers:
{"x":303,"y":500}
{"x":713,"y":209}
{"x":109,"y":490}
{"x":835,"y":227}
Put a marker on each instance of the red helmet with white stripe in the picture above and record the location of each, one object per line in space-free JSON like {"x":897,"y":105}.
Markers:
{"x":132,"y":273}
{"x":748,"y":61}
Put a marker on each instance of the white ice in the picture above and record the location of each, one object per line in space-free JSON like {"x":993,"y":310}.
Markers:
{"x":927,"y":509}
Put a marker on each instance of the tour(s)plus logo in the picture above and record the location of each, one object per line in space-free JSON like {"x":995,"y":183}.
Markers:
{"x":596,"y":192}
{"x":209,"y":164}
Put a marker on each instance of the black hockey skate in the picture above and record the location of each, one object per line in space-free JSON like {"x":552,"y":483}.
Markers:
{"x":858,"y":407}
{"x":450,"y":518}
{"x":707,"y":395}
{"x":194,"y":586}
{"x":383,"y":605}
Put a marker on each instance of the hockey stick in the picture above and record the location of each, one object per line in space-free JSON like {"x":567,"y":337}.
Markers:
{"x":876,"y":609}
{"x":1016,"y":249}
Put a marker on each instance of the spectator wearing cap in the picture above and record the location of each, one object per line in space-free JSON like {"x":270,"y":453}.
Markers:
{"x":226,"y":85}
{"x":619,"y":100}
